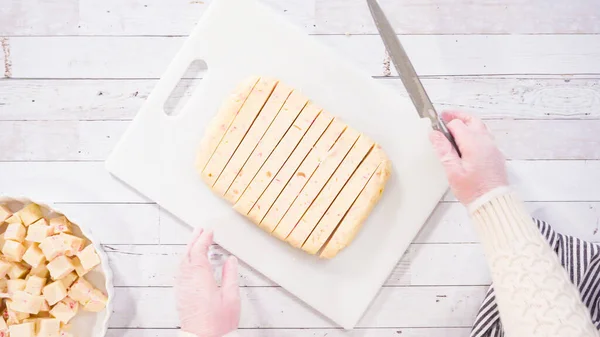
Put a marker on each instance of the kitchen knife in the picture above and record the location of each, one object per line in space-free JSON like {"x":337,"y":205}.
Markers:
{"x":407,"y":73}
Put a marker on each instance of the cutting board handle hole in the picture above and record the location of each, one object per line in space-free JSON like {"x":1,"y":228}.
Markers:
{"x":184,"y":89}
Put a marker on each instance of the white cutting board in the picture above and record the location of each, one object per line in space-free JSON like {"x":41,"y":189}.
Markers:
{"x":239,"y":38}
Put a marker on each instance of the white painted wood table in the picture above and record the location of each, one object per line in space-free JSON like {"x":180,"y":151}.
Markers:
{"x":76,"y":71}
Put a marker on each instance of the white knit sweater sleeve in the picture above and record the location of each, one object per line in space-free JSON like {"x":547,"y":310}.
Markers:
{"x":533,"y":292}
{"x":187,"y":334}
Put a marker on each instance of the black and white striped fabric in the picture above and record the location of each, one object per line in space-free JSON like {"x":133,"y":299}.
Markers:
{"x":581,"y":259}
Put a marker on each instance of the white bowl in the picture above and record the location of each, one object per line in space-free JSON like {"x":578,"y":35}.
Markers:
{"x":84,"y":324}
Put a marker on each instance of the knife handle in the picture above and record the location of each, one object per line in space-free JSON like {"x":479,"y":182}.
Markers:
{"x":441,"y":126}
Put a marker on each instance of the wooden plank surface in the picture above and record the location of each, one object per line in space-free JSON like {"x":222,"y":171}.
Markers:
{"x":74,"y":72}
{"x":94,"y":140}
{"x":539,"y":180}
{"x":522,"y":97}
{"x":380,"y":332}
{"x":457,"y":17}
{"x":536,"y":180}
{"x":432,"y":55}
{"x":146,"y":224}
{"x":272,"y":307}
{"x":459,"y":265}
{"x":132,"y":17}
{"x":177,"y":17}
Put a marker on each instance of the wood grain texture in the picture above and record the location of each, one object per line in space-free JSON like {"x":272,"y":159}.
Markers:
{"x":60,"y":140}
{"x":147,"y":224}
{"x":450,"y":17}
{"x":432,"y":55}
{"x":272,"y":307}
{"x":134,"y":17}
{"x":81,"y":69}
{"x":80,"y":99}
{"x":449,"y":223}
{"x":522,"y":97}
{"x":136,"y":224}
{"x":380,"y":332}
{"x":458,"y":264}
{"x":519,"y":97}
{"x":94,"y":140}
{"x":542,"y":180}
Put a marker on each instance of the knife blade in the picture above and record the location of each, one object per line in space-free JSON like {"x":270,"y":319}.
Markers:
{"x":407,"y":72}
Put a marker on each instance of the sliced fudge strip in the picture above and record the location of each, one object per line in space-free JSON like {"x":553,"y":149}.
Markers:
{"x":278,"y":197}
{"x":316,"y":183}
{"x":281,"y":153}
{"x":295,"y":104}
{"x":291,"y":168}
{"x":264,"y":183}
{"x":344,"y":201}
{"x":358,"y":212}
{"x":257,"y":130}
{"x":317,"y":209}
{"x":237,"y":130}
{"x":220,"y":123}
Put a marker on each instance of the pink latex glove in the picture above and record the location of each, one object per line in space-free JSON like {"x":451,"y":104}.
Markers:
{"x":482,"y":167}
{"x":205,"y":309}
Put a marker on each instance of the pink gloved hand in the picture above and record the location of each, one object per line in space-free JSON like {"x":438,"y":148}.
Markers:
{"x":205,"y":309}
{"x":482,"y":167}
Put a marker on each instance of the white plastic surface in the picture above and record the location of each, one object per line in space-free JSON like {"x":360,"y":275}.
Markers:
{"x":240,"y":38}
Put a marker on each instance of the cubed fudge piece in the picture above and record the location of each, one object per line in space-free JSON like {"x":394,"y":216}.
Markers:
{"x":45,"y":307}
{"x":40,"y":271}
{"x":15,"y":218}
{"x":38,"y":231}
{"x":34,"y":285}
{"x":71,"y":243}
{"x":60,"y":267}
{"x":48,"y":327}
{"x":34,"y":256}
{"x":60,"y":225}
{"x":78,"y":267}
{"x":22,"y":330}
{"x":97,"y":301}
{"x":28,"y":244}
{"x":30,"y":214}
{"x":69,"y":279}
{"x":13,"y":250}
{"x":41,"y":221}
{"x":23,"y":301}
{"x":15,"y":285}
{"x":17,"y":270}
{"x":4,"y":268}
{"x":65,"y":310}
{"x":15,"y":232}
{"x":13,"y":316}
{"x":81,"y":291}
{"x":88,"y":257}
{"x":3,"y":328}
{"x":54,"y":292}
{"x":5,"y":212}
{"x":52,"y":247}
